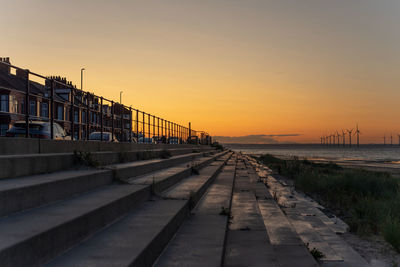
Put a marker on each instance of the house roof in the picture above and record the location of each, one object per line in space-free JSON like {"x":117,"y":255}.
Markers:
{"x":11,"y":81}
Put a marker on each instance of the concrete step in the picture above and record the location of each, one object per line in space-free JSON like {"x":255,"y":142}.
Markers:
{"x":33,"y":237}
{"x":193,"y":187}
{"x":200,"y":240}
{"x":348,"y":255}
{"x":32,"y":191}
{"x":309,"y":236}
{"x":13,"y":146}
{"x":247,"y":241}
{"x":138,"y":238}
{"x":287,"y":246}
{"x":31,"y":164}
{"x":135,"y":240}
{"x":165,"y":178}
{"x":125,"y":171}
{"x":315,"y":228}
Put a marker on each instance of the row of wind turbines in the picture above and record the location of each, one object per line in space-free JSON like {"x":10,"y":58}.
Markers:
{"x":337,"y":139}
{"x":391,"y":139}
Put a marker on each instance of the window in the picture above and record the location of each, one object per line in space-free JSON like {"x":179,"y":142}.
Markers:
{"x":83,"y":116}
{"x":44,"y":112}
{"x":13,"y":104}
{"x":76,"y":115}
{"x":60,"y":113}
{"x":4,"y":106}
{"x":32,"y":107}
{"x":3,"y":129}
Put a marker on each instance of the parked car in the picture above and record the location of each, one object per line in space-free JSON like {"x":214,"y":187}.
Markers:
{"x":193,"y":140}
{"x":146,"y":140}
{"x":38,"y":129}
{"x":107,"y":137}
{"x":173,"y":140}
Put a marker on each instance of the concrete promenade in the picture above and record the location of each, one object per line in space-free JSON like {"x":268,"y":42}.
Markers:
{"x":162,"y":205}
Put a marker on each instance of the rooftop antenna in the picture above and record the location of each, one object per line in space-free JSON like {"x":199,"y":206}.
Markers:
{"x":349,"y":132}
{"x":358,"y":136}
{"x":344,"y":137}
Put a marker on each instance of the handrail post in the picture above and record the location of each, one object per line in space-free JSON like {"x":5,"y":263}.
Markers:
{"x":148,"y":127}
{"x":101,"y":119}
{"x":158,"y":128}
{"x":27,"y":105}
{"x":72,"y":115}
{"x":112,"y":124}
{"x":52,"y":109}
{"x":143,"y":127}
{"x":121,"y":113}
{"x":130,"y":124}
{"x":137,"y":125}
{"x":87,"y":115}
{"x":154,"y":125}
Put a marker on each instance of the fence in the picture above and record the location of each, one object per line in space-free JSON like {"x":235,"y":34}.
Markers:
{"x":81,"y":113}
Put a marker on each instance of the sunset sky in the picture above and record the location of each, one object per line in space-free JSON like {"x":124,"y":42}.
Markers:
{"x":296,"y":68}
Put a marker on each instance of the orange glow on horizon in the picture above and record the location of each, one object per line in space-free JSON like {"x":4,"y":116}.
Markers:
{"x":229,"y":68}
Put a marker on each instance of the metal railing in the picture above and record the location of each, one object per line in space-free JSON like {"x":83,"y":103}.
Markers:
{"x":84,"y":112}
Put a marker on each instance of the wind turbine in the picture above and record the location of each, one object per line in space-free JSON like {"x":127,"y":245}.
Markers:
{"x":399,"y":138}
{"x":338,"y":138}
{"x":391,"y":139}
{"x":350,"y":131}
{"x":334,"y":138}
{"x":344,"y":137}
{"x":384,"y":139}
{"x":358,"y":136}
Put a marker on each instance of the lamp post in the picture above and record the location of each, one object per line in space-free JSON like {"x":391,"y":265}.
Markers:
{"x":82,"y":78}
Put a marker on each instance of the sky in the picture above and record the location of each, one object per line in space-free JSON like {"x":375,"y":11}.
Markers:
{"x":291,"y":70}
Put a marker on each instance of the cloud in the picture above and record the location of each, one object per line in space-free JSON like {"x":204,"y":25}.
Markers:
{"x":253,"y":139}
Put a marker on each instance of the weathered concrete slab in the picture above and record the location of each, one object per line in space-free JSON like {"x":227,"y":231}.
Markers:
{"x":33,"y":191}
{"x":280,"y":231}
{"x":200,"y":240}
{"x":10,"y":146}
{"x":165,"y":178}
{"x":309,"y":236}
{"x":193,"y":187}
{"x":125,"y":171}
{"x":247,"y":240}
{"x":35,"y":236}
{"x":249,"y":248}
{"x":136,"y":240}
{"x":293,"y":255}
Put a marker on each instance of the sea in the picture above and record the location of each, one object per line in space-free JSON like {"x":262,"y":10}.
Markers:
{"x":368,"y":155}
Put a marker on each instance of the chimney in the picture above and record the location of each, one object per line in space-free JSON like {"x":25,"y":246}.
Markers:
{"x":4,"y":68}
{"x":22,"y":73}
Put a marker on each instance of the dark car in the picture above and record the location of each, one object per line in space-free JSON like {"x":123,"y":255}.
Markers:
{"x":193,"y":140}
{"x":107,"y":137}
{"x":38,"y":129}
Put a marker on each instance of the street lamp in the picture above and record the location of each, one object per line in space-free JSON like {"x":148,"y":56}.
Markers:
{"x":82,"y":78}
{"x":120,"y":97}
